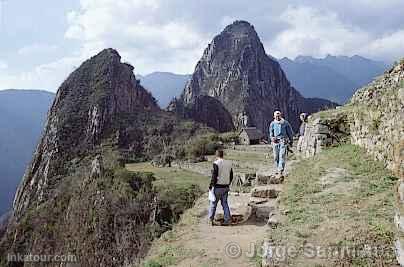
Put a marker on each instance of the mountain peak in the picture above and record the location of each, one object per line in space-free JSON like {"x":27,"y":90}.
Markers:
{"x":236,"y":71}
{"x":304,"y":59}
{"x":240,"y":29}
{"x":110,"y":52}
{"x":239,"y":26}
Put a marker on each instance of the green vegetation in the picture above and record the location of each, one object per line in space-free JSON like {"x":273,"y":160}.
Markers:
{"x":229,"y":137}
{"x":177,"y":189}
{"x":206,"y":144}
{"x":170,"y":176}
{"x":202,"y":145}
{"x":169,"y":256}
{"x":341,"y":197}
{"x":164,"y":252}
{"x":246,"y":156}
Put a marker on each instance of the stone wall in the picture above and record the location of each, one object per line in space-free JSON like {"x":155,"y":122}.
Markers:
{"x":399,"y":215}
{"x":374,"y":120}
{"x":378,"y":120}
{"x":324,"y":129}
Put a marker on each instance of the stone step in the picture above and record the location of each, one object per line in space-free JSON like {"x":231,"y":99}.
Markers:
{"x":257,"y":200}
{"x":274,"y":219}
{"x":399,"y":248}
{"x":262,"y":211}
{"x":266,"y":191}
{"x":401,"y":191}
{"x":399,"y":221}
{"x":263,"y":179}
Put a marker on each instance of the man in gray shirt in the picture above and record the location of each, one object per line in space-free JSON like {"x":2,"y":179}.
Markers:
{"x":222,"y":176}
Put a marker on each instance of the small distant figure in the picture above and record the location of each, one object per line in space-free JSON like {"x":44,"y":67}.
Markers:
{"x":281,"y":136}
{"x":222,"y":176}
{"x":302,"y":129}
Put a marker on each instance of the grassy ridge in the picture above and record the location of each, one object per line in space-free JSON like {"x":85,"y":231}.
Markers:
{"x":339,"y":198}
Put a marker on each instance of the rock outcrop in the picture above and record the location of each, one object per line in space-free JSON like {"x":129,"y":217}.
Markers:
{"x":327,"y":128}
{"x":373,"y":119}
{"x":235,"y":70}
{"x":207,"y":110}
{"x":378,"y":120}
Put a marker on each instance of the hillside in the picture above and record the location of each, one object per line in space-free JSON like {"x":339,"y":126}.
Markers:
{"x":76,"y":198}
{"x":23,"y":114}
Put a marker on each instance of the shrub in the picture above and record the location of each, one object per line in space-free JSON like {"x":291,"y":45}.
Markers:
{"x":230,"y":137}
{"x":203,"y":145}
{"x":174,"y":200}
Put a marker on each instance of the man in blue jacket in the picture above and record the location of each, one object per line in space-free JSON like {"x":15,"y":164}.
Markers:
{"x":281,"y":135}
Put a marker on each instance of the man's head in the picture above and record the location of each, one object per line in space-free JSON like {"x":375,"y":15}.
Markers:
{"x":219,"y":153}
{"x":303,"y":116}
{"x":277,"y":115}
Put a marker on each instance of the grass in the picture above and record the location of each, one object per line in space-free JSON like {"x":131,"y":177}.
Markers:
{"x":165,"y":252}
{"x":168,"y":256}
{"x":172,"y":175}
{"x":246,"y":156}
{"x":341,"y":197}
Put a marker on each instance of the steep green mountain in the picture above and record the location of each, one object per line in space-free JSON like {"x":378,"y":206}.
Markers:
{"x":23,"y":114}
{"x":76,"y":198}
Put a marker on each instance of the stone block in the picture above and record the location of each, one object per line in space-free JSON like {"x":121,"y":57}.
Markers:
{"x":266,"y":191}
{"x":321,"y":129}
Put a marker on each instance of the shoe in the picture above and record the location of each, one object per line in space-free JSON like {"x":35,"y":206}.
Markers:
{"x":225,"y":224}
{"x":211,"y":222}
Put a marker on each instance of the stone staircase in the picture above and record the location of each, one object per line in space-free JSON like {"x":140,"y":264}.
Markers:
{"x":264,"y":197}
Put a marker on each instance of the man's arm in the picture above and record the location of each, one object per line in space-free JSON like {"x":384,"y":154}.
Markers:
{"x":271,"y":132}
{"x":289,"y":132}
{"x":215,"y":173}
{"x":231,"y":176}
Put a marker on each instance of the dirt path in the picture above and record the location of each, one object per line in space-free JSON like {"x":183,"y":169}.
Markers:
{"x":195,"y":243}
{"x":224,"y":245}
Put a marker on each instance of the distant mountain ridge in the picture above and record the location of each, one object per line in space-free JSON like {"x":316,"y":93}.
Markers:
{"x":164,"y":85}
{"x":333,"y":77}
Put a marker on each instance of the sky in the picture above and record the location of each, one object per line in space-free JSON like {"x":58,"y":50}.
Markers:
{"x":42,"y":41}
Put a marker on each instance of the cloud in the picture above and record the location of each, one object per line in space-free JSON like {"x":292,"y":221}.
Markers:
{"x":139,"y":34}
{"x":3,"y":65}
{"x":385,"y":47}
{"x":46,"y":76}
{"x":159,"y":35}
{"x":317,"y":33}
{"x":37,"y":49}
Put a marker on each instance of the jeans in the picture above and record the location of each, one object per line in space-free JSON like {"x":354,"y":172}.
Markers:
{"x":279,"y":150}
{"x":220,"y":194}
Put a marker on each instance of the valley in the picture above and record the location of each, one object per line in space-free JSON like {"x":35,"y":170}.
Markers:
{"x":118,"y":180}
